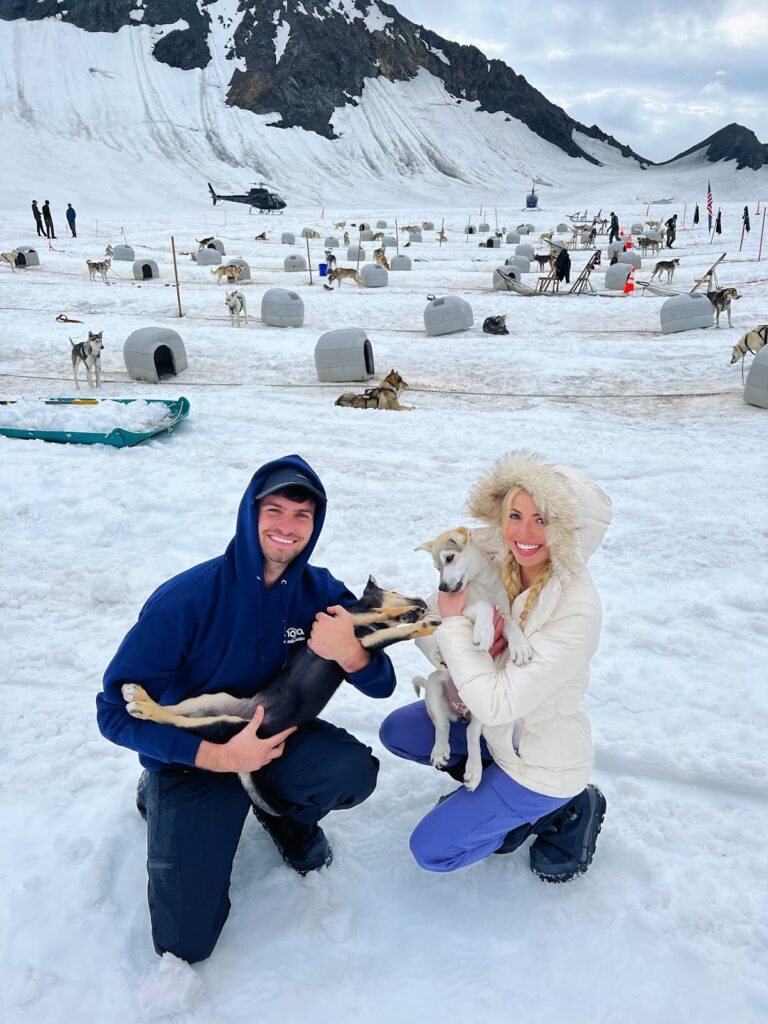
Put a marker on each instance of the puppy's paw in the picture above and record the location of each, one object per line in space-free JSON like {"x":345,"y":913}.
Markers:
{"x":472,"y":775}
{"x":520,"y":652}
{"x":441,"y":753}
{"x":482,"y":636}
{"x":138,"y":703}
{"x":132,"y":691}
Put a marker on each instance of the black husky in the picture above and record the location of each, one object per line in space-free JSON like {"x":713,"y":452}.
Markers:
{"x":299,"y":691}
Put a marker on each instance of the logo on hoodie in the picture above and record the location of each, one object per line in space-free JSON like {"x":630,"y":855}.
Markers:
{"x":294,"y":635}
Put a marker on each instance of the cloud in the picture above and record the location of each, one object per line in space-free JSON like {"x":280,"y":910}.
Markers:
{"x":657,"y":77}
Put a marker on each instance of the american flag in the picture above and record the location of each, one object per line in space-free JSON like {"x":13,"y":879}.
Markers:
{"x":710,"y":206}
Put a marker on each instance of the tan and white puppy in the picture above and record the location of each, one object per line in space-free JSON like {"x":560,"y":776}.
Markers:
{"x":462,"y":563}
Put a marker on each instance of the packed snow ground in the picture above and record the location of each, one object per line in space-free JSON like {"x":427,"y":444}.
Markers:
{"x":669,"y":923}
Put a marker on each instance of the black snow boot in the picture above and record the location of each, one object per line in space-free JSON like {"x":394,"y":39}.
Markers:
{"x":303,"y":847}
{"x":566,"y":839}
{"x":141,"y":794}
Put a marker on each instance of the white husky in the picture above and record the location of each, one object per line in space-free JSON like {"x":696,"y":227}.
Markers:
{"x":462,"y":563}
{"x":236,"y":305}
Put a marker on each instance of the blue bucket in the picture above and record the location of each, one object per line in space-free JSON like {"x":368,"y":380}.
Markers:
{"x":323,"y":268}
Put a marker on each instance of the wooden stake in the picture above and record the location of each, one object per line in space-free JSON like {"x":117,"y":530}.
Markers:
{"x":685,"y":210}
{"x":442,"y":226}
{"x":397,"y":237}
{"x":466,"y":229}
{"x":309,"y":262}
{"x":741,"y":240}
{"x":176,"y":275}
{"x":359,"y":246}
{"x":762,"y":230}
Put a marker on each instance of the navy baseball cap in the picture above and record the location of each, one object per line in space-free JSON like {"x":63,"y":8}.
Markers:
{"x":287,"y":476}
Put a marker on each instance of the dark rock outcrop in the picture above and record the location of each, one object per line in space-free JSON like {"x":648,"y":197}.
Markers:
{"x":734,"y":142}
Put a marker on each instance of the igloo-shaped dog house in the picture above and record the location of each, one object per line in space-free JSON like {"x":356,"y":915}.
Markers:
{"x":209,"y":258}
{"x":499,"y":284}
{"x":294,"y":263}
{"x":344,"y":354}
{"x":632,"y":257}
{"x":562,"y":228}
{"x":756,"y":388}
{"x":366,"y":236}
{"x":281,"y":307}
{"x":470,"y":229}
{"x":491,"y":243}
{"x":522,"y":263}
{"x":245,"y":270}
{"x":355,"y":252}
{"x":153,"y":352}
{"x":483,"y":228}
{"x":428,"y":225}
{"x":400,"y":263}
{"x":288,"y":238}
{"x":27,"y":257}
{"x":373,"y":275}
{"x":689,"y":312}
{"x":415,"y":236}
{"x":145,"y":270}
{"x":123,"y":252}
{"x":447,"y":315}
{"x":525,"y":249}
{"x":218,"y":245}
{"x":389,"y":240}
{"x":308,"y":232}
{"x":331,"y":242}
{"x":616,"y":276}
{"x":381,"y":224}
{"x":616,"y":247}
{"x":637,"y":228}
{"x":512,"y":238}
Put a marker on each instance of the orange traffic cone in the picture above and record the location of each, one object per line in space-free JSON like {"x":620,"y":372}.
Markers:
{"x":630,"y":285}
{"x":628,"y":243}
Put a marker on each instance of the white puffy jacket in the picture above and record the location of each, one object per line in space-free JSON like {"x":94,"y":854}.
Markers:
{"x":534,"y":716}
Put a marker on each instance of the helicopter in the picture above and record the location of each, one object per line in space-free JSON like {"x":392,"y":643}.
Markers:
{"x":259,"y":197}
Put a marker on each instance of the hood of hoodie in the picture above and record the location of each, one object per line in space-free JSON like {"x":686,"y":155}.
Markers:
{"x":577,"y":512}
{"x":244,"y":555}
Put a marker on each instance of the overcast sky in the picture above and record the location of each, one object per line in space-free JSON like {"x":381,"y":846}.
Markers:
{"x":659,"y":76}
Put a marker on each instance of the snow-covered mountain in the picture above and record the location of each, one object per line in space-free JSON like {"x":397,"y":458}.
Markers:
{"x":734,"y":142}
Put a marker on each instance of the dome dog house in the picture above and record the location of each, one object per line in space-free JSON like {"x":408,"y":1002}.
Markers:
{"x":209,"y":258}
{"x":512,"y":238}
{"x":153,"y":352}
{"x":469,"y":229}
{"x":400,"y":263}
{"x":366,"y":236}
{"x":343,"y":355}
{"x":381,"y":224}
{"x":448,"y":314}
{"x":614,"y":247}
{"x":616,"y":277}
{"x":632,"y":257}
{"x":288,"y":238}
{"x":27,"y":258}
{"x":294,"y":263}
{"x":499,"y":284}
{"x":282,"y":308}
{"x":491,"y":243}
{"x":526,"y":249}
{"x":523,"y":229}
{"x":562,"y":229}
{"x":245,"y":270}
{"x":331,"y":242}
{"x":522,"y":263}
{"x":308,"y":233}
{"x":373,"y":275}
{"x":145,"y":270}
{"x":483,"y":228}
{"x":415,"y":236}
{"x":756,"y":388}
{"x":389,"y":240}
{"x":123,"y":252}
{"x":687,"y":312}
{"x":355,"y":252}
{"x":218,"y":245}
{"x":428,"y":225}
{"x":362,"y":226}
{"x":637,"y":229}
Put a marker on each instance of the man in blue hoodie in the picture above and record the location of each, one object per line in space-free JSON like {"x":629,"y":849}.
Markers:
{"x":228,"y":625}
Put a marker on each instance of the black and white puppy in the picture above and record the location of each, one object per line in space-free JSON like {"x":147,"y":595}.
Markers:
{"x":88,"y":353}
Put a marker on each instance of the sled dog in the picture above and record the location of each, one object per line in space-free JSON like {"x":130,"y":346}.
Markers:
{"x":10,"y":258}
{"x":99,"y":267}
{"x":667,"y":267}
{"x":752,"y":342}
{"x":231,"y":271}
{"x":339,"y":273}
{"x":235,"y":302}
{"x":721,"y":300}
{"x":385,"y":396}
{"x":88,"y":353}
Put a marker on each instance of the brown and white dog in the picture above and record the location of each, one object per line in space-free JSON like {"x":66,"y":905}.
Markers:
{"x":231,"y":272}
{"x":721,"y":300}
{"x":385,"y":396}
{"x":666,"y":267}
{"x":10,"y":258}
{"x":380,"y":257}
{"x":340,"y":225}
{"x":99,"y":267}
{"x":339,"y":273}
{"x":752,"y":342}
{"x":202,"y":243}
{"x":88,"y":353}
{"x":462,"y":563}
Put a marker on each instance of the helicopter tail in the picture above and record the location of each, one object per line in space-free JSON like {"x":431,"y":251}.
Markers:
{"x":213,"y":194}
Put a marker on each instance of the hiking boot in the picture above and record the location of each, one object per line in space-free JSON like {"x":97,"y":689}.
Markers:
{"x":304,"y":848}
{"x":567,"y":839}
{"x":141,"y":794}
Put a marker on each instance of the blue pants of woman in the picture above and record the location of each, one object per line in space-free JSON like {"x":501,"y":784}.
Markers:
{"x":466,"y":827}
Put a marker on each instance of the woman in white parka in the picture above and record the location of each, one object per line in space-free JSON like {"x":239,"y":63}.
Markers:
{"x":544,"y":522}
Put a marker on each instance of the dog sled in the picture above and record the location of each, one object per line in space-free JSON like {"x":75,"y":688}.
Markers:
{"x":515,"y":286}
{"x":178,"y":409}
{"x":662,"y":290}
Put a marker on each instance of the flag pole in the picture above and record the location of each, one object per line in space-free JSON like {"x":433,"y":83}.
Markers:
{"x":762,"y":229}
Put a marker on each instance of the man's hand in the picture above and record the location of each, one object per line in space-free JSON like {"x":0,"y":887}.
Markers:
{"x":452,"y":604}
{"x":333,"y":638}
{"x":245,"y":752}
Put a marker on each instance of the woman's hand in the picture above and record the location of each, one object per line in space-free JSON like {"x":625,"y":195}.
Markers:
{"x":499,"y":640}
{"x":452,"y":604}
{"x":333,"y":638}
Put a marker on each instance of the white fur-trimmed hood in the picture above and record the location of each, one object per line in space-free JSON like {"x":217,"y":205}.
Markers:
{"x":576,"y":510}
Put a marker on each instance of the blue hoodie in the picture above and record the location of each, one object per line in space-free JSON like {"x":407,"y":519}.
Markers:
{"x":218,"y":628}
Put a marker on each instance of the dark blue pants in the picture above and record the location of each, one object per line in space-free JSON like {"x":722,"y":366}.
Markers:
{"x":195,"y":818}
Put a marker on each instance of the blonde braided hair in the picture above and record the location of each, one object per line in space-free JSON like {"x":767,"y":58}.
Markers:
{"x":510,"y":570}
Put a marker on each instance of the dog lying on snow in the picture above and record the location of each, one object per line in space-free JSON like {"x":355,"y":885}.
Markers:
{"x":495,"y":325}
{"x":88,"y":353}
{"x":298,"y":692}
{"x":385,"y":396}
{"x":235,"y":302}
{"x":752,"y":342}
{"x":721,"y":301}
{"x":462,"y":563}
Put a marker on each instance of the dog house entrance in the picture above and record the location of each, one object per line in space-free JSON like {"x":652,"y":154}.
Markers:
{"x":21,"y":260}
{"x":146,"y":272}
{"x":368,"y":355}
{"x":164,"y":363}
